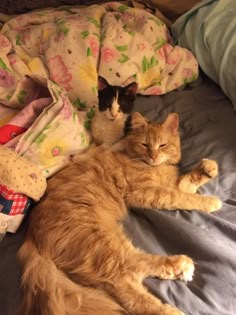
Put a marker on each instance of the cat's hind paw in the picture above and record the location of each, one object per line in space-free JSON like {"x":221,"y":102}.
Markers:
{"x":182,"y":267}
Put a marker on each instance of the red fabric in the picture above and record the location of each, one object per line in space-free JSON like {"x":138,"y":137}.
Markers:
{"x":19,"y":201}
{"x":9,"y":132}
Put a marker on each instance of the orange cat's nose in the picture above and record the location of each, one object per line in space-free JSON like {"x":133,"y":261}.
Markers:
{"x":153,"y":155}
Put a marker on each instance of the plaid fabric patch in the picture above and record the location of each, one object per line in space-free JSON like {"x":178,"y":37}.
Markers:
{"x":12,"y":203}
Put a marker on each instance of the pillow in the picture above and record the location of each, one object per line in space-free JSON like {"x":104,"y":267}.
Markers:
{"x":208,"y":30}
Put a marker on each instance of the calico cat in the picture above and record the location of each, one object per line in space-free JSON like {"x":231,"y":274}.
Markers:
{"x":76,"y":258}
{"x":114,"y":105}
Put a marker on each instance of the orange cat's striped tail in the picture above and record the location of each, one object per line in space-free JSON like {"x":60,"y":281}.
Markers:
{"x":48,"y":291}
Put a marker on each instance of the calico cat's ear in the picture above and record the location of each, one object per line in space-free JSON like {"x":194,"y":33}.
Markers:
{"x":131,"y":89}
{"x":102,"y":83}
{"x":172,"y":123}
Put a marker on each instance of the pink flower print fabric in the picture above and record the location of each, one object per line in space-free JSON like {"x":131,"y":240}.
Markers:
{"x":65,"y":49}
{"x":94,"y":45}
{"x":5,"y":44}
{"x":67,"y":109}
{"x":137,"y":46}
{"x":169,"y":54}
{"x":59,"y":73}
{"x":71,"y":47}
{"x":55,"y":135}
{"x":108,"y":55}
{"x":6,"y":79}
{"x":153,"y":90}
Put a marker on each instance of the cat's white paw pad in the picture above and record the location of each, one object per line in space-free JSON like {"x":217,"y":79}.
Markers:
{"x":184,"y":268}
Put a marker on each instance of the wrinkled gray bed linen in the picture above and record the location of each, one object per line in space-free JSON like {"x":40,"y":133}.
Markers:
{"x":208,"y":129}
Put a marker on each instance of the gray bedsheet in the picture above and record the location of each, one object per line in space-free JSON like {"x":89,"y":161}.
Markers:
{"x":208,"y":129}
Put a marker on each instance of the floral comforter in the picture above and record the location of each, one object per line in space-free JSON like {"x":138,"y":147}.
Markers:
{"x":49,"y":63}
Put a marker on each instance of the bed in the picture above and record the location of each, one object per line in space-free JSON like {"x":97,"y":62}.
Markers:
{"x":207,"y":128}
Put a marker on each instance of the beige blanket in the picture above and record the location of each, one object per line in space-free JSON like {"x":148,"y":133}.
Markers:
{"x":65,"y":49}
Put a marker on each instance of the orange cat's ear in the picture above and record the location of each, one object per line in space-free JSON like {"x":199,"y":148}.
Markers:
{"x":172,"y":123}
{"x":102,"y":83}
{"x":138,"y":121}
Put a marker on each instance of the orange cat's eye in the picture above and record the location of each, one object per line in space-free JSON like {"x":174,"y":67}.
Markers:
{"x":145,"y":145}
{"x":163,"y":145}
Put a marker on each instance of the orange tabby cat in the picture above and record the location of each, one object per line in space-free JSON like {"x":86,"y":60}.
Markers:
{"x":77,"y":259}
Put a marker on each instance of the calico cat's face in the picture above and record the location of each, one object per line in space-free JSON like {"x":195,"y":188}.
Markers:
{"x":154,"y":143}
{"x":115,"y":101}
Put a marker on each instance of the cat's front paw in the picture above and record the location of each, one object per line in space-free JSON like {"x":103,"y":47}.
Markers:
{"x":170,"y":310}
{"x":208,"y":168}
{"x":212,"y":203}
{"x":182,"y":267}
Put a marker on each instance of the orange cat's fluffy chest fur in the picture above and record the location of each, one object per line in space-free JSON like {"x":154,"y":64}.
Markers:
{"x":120,"y":172}
{"x":160,"y":175}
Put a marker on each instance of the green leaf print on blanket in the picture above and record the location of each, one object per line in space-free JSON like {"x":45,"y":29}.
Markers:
{"x":40,"y":138}
{"x":122,"y":47}
{"x":79,"y":104}
{"x":123,"y":58}
{"x":74,"y":116}
{"x":62,"y":28}
{"x":146,"y":65}
{"x":95,"y":90}
{"x":89,"y":52}
{"x":123,"y":8}
{"x":3,"y":65}
{"x":159,"y":43}
{"x":21,"y":96}
{"x":18,"y":40}
{"x":85,"y":34}
{"x":83,"y":139}
{"x":90,"y":113}
{"x":87,"y":124}
{"x":125,"y":28}
{"x":157,"y":21}
{"x":188,"y":75}
{"x":89,"y":116}
{"x":94,"y":21}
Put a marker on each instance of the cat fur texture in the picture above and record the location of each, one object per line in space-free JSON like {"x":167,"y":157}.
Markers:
{"x":76,"y":258}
